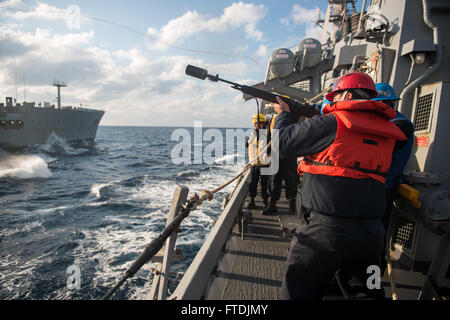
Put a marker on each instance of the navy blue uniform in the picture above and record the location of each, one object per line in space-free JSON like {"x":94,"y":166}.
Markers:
{"x":340,"y":223}
{"x":287,"y":171}
{"x":253,"y":186}
{"x":400,"y":157}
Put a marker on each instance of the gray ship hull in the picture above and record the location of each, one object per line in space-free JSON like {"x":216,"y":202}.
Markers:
{"x":26,"y":126}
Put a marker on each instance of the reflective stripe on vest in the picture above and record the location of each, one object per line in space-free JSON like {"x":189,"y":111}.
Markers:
{"x":355,"y":167}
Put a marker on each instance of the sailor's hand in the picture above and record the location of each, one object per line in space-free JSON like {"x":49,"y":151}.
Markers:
{"x":280,"y":106}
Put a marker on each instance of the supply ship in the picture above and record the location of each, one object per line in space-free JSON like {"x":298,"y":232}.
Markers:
{"x":400,"y":42}
{"x":28,"y":124}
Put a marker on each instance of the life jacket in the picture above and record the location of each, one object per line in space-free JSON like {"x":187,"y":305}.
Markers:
{"x":254,"y":149}
{"x":400,"y":157}
{"x":364,"y":142}
{"x":272,"y":122}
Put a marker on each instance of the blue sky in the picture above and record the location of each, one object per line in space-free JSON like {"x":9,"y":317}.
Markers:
{"x":128,"y":57}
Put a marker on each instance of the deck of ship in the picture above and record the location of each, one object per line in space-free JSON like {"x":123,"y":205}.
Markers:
{"x":253,"y":262}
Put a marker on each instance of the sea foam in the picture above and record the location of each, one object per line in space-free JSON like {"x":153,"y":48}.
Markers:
{"x":23,"y":167}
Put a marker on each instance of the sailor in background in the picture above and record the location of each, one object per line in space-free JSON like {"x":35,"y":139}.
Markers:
{"x":257,"y":141}
{"x":401,"y":154}
{"x":347,"y":152}
{"x":287,"y":171}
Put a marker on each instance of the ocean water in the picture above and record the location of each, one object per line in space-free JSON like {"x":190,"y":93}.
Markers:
{"x":96,"y":207}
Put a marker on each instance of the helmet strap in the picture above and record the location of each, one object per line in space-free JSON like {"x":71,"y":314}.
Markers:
{"x":343,"y":95}
{"x":390,"y":103}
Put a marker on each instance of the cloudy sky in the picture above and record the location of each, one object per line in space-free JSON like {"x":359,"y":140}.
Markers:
{"x":129,"y":57}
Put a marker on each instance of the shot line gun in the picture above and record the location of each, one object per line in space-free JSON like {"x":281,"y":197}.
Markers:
{"x":295,"y":107}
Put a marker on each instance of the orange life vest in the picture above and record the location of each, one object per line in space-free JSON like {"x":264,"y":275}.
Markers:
{"x":364,"y":142}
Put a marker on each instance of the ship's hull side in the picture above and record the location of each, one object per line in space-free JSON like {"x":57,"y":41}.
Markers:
{"x":39,"y":123}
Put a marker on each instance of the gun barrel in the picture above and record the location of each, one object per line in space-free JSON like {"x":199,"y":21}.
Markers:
{"x":196,"y":72}
{"x":295,"y":107}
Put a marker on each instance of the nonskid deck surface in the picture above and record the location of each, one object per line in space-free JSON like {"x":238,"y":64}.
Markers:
{"x":253,"y":265}
{"x":252,"y":268}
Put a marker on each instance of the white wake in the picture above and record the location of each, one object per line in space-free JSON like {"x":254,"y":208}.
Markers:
{"x":23,"y":167}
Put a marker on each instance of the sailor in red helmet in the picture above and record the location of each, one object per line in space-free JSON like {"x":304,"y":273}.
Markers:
{"x":347,"y":152}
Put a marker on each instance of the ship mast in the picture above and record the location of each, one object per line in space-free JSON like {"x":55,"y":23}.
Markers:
{"x":59,"y":84}
{"x":337,"y":15}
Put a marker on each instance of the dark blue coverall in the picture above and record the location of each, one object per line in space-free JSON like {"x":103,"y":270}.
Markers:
{"x":287,"y":171}
{"x":400,"y":157}
{"x":340,"y":222}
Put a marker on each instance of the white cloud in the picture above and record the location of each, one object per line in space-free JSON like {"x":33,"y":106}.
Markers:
{"x":235,"y":68}
{"x":314,"y":32}
{"x":133,"y":87}
{"x":251,"y":31}
{"x":41,"y":11}
{"x":242,"y":13}
{"x":262,"y":51}
{"x":42,"y":56}
{"x":10,"y":3}
{"x":304,"y":17}
{"x":191,"y":23}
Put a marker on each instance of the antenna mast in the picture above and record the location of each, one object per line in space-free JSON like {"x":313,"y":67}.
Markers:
{"x":336,"y":15}
{"x":24,"y":89}
{"x":59,"y":84}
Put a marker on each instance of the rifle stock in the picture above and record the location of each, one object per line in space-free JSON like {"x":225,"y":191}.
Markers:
{"x":295,"y":107}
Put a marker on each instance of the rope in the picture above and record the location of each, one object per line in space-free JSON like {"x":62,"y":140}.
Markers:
{"x":391,"y":278}
{"x":315,"y":98}
{"x":390,"y":271}
{"x":234,"y":189}
{"x":190,"y":205}
{"x":209,"y":195}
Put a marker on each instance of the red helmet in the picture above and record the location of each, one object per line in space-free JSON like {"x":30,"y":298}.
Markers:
{"x":354,"y":80}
